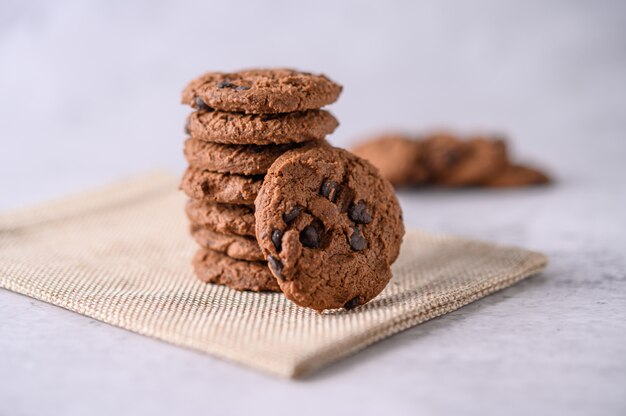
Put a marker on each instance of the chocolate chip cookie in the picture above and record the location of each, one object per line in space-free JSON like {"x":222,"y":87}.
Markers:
{"x":442,"y":151}
{"x":233,"y":158}
{"x":261,"y":91}
{"x":213,"y":267}
{"x":204,"y":185}
{"x":223,"y":218}
{"x":330,"y":226}
{"x":236,"y":246}
{"x":464,"y":163}
{"x":399,"y":159}
{"x":237,"y":128}
{"x":517,"y":175}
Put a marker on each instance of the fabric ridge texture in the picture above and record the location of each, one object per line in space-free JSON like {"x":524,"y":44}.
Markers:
{"x":122,"y":254}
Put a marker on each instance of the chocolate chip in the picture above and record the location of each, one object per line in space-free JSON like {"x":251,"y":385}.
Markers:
{"x":277,"y":237}
{"x":352,"y":303}
{"x":291,"y":215}
{"x":276,"y":267}
{"x":359,"y":213}
{"x":206,"y":188}
{"x":187,"y":128}
{"x":226,"y":84}
{"x":329,"y":190}
{"x":357,"y":241}
{"x":452,"y":156}
{"x":201,"y":105}
{"x":310,"y":236}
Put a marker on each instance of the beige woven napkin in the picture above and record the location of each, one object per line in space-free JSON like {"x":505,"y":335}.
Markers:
{"x":122,"y":255}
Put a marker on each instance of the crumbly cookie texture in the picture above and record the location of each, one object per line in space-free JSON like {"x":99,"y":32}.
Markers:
{"x":261,"y":91}
{"x":233,"y":158}
{"x":235,"y":246}
{"x":204,"y":185}
{"x":214,"y":267}
{"x":399,"y":159}
{"x":238,"y":128}
{"x":223,"y":218}
{"x":330,"y":227}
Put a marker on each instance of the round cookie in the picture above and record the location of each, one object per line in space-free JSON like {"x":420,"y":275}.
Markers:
{"x":235,"y":246}
{"x":226,"y":188}
{"x":463,"y":163}
{"x":233,"y":158}
{"x":237,"y":128}
{"x":399,"y":159}
{"x":482,"y":159}
{"x":517,"y":175}
{"x":223,"y":218}
{"x":213,"y":267}
{"x":330,"y":226}
{"x":261,"y":91}
{"x":442,"y":151}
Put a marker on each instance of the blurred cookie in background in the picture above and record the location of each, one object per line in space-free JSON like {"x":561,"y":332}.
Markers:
{"x":446,"y":159}
{"x":455,"y":162}
{"x":399,"y":158}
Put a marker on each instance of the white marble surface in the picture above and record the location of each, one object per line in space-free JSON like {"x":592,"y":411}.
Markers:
{"x":89,"y":91}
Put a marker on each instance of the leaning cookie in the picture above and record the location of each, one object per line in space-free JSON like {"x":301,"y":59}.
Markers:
{"x":235,"y":246}
{"x":204,"y":185}
{"x":237,"y":128}
{"x":261,"y":91}
{"x":223,"y":218}
{"x":213,"y":267}
{"x":330,"y":226}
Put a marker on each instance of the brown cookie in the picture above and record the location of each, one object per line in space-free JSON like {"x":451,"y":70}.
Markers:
{"x":213,"y":267}
{"x":442,"y":151}
{"x":223,"y":218}
{"x":261,"y":91}
{"x":399,"y":159}
{"x":236,"y":246}
{"x":237,"y":128}
{"x":233,"y":158}
{"x":517,"y":175}
{"x":330,"y":227}
{"x":456,"y":163}
{"x":204,"y":185}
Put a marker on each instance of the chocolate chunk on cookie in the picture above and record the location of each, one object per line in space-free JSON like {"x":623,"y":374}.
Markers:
{"x":214,"y":267}
{"x":399,"y":159}
{"x":223,"y":218}
{"x":517,"y":175}
{"x":237,"y":128}
{"x":233,"y":158}
{"x":205,"y":185}
{"x":330,"y":227}
{"x":236,"y":246}
{"x":261,"y":91}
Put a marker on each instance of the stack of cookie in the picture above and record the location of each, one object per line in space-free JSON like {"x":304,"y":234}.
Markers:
{"x":443,"y":159}
{"x":242,"y":123}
